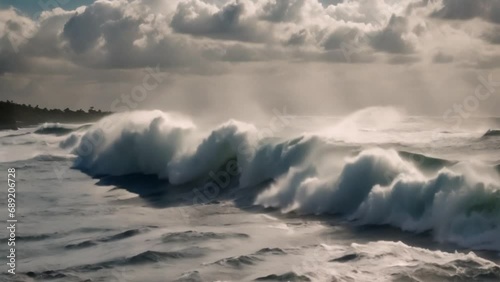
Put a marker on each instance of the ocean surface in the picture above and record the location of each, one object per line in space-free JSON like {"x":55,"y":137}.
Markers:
{"x":153,"y":196}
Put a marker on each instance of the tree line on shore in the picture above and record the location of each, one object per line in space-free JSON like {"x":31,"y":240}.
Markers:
{"x":13,"y":115}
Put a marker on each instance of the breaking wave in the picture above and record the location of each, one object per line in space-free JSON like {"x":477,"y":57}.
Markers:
{"x":458,"y":202}
{"x":160,"y":144}
{"x":395,"y":261}
{"x":491,"y":133}
{"x":59,"y":129}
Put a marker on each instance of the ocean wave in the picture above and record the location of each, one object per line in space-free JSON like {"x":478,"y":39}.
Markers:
{"x":52,"y":157}
{"x":69,"y":142}
{"x":492,"y":133}
{"x":238,"y":262}
{"x":51,"y":275}
{"x":192,"y":276}
{"x":155,"y":256}
{"x":30,"y":238}
{"x":395,"y":262}
{"x":58,"y":129}
{"x":271,"y":251}
{"x":161,"y":144}
{"x":146,"y":257}
{"x":156,"y":143}
{"x":458,"y":201}
{"x":15,"y":135}
{"x":194,"y":236}
{"x":289,"y":276}
{"x":424,"y":162}
{"x":252,"y":259}
{"x":377,"y":187}
{"x":143,"y":258}
{"x":112,"y":238}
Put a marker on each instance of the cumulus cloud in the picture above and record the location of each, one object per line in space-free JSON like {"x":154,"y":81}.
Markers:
{"x":217,"y":37}
{"x":282,"y":10}
{"x":83,"y":30}
{"x":466,"y":9}
{"x":298,"y":38}
{"x":46,"y":41}
{"x":343,"y":36}
{"x":229,"y":22}
{"x":199,"y":34}
{"x":370,"y":12}
{"x":394,"y":38}
{"x":15,"y":29}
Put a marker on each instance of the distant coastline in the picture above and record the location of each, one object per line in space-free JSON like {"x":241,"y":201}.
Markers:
{"x":14,"y":116}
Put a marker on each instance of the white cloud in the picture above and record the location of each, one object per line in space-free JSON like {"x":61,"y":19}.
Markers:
{"x":185,"y":33}
{"x":232,"y":21}
{"x":214,"y":37}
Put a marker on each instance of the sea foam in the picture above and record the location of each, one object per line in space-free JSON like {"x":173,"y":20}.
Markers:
{"x":457,"y":202}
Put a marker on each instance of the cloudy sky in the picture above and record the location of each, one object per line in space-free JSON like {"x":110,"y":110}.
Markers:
{"x":243,"y":56}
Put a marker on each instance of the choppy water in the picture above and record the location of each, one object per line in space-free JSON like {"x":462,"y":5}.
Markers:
{"x":149,"y":196}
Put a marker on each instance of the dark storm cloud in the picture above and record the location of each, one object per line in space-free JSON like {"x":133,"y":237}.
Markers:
{"x":45,"y":42}
{"x":119,"y":37}
{"x":391,"y":39}
{"x":122,"y":43}
{"x":196,"y":18}
{"x":13,"y":26}
{"x":83,"y":30}
{"x":468,"y":9}
{"x":282,"y":10}
{"x":15,"y":30}
{"x":297,"y":38}
{"x":341,"y":37}
{"x":10,"y":61}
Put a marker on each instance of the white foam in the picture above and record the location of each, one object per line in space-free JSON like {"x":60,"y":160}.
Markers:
{"x":460,"y":204}
{"x":378,"y":187}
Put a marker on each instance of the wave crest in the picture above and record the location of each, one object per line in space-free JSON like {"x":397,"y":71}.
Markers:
{"x":492,"y":133}
{"x":58,"y":129}
{"x":159,"y":144}
{"x":379,"y":187}
{"x":127,"y":143}
{"x":458,"y":202}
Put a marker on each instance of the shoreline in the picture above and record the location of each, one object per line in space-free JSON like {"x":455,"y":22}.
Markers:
{"x":14,"y":116}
